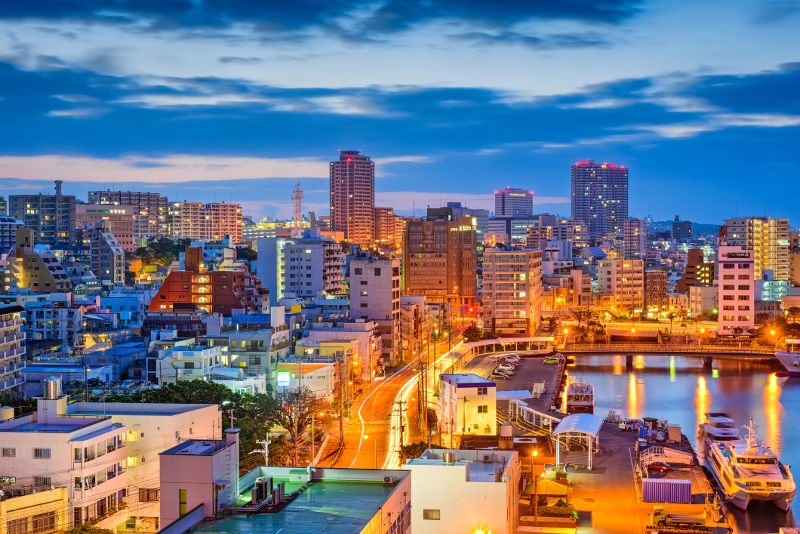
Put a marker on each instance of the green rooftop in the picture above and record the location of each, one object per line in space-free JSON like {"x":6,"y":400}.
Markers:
{"x":324,"y":507}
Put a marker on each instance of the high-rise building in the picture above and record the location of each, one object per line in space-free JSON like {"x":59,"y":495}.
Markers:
{"x":681,"y":230}
{"x":512,"y":290}
{"x":635,"y":239}
{"x":152,"y":208}
{"x":352,"y":192}
{"x":8,"y":232}
{"x":211,"y":222}
{"x":735,"y":267}
{"x":768,"y":238}
{"x":37,"y":270}
{"x":107,"y":255}
{"x":655,"y":289}
{"x":119,"y":220}
{"x":386,"y":225}
{"x":51,"y":217}
{"x":600,"y":197}
{"x":511,"y":202}
{"x":440,"y":261}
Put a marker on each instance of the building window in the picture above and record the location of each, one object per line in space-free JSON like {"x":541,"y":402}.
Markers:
{"x":148,"y":494}
{"x":41,"y":454}
{"x":358,"y":270}
{"x":9,"y":452}
{"x":483,"y":391}
{"x":41,"y":481}
{"x":182,"y":502}
{"x":43,"y":522}
{"x":483,"y":408}
{"x":433,"y":514}
{"x":18,"y":526}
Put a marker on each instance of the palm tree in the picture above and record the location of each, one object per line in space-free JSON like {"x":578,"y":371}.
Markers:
{"x":671,"y":317}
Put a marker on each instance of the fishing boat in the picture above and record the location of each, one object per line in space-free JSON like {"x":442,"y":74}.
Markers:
{"x":747,"y":470}
{"x":580,"y":397}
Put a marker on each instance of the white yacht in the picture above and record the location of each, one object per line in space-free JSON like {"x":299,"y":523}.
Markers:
{"x":580,"y":397}
{"x":717,"y":427}
{"x":747,"y":470}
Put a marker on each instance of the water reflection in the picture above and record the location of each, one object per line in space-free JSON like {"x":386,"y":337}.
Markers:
{"x":682,"y":389}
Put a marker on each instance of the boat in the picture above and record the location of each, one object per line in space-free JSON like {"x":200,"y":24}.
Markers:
{"x":580,"y":397}
{"x":790,"y":361}
{"x":717,"y":427}
{"x":654,"y":453}
{"x":747,"y":470}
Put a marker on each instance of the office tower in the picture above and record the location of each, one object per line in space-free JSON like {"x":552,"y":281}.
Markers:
{"x":386,"y":228}
{"x":735,"y":269}
{"x":352,"y":202}
{"x":768,"y":238}
{"x":681,"y":230}
{"x":152,"y":209}
{"x":634,"y":239}
{"x":622,"y":282}
{"x":512,"y":291}
{"x":600,"y":197}
{"x":51,"y":217}
{"x":510,"y":202}
{"x":440,"y":261}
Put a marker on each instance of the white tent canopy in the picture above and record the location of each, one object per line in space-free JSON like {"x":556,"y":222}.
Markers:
{"x":580,"y":426}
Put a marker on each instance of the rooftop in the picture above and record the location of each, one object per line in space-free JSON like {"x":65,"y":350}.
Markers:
{"x":467,"y":380}
{"x":192,"y":447}
{"x":326,"y":507}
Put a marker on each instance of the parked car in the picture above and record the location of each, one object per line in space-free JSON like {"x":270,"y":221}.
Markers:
{"x":512,"y":358}
{"x":507,"y":365}
{"x":498,"y":376}
{"x":658,"y":467}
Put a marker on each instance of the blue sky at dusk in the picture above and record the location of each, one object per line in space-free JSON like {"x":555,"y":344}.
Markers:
{"x":235,"y":100}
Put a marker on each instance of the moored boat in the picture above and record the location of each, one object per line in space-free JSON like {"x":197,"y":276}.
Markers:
{"x":580,"y":397}
{"x":747,"y":470}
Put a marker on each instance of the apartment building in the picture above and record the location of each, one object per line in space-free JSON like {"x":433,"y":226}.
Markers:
{"x":512,"y":291}
{"x":375,"y":296}
{"x":12,"y":351}
{"x":152,"y":209}
{"x":50,"y":217}
{"x":736,"y":292}
{"x":622,"y":281}
{"x":768,"y":238}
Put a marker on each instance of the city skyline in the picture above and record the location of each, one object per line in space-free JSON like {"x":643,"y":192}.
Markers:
{"x":452,"y":102}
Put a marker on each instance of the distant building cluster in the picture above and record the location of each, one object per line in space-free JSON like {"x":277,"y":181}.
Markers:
{"x":90,"y":303}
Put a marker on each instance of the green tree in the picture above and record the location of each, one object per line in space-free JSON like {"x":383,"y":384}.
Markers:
{"x":472,"y":333}
{"x":580,"y":313}
{"x":246,"y":253}
{"x":671,"y":316}
{"x":294,"y":411}
{"x":413,"y":450}
{"x":89,"y":529}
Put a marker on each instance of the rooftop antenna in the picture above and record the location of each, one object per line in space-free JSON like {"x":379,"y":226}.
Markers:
{"x":297,"y":220}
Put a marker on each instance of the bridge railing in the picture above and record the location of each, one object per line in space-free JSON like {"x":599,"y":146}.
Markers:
{"x":693,"y":348}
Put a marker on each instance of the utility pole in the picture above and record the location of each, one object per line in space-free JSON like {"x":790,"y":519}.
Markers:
{"x":400,"y":409}
{"x":265,"y":450}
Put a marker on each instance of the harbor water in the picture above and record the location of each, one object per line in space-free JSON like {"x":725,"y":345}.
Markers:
{"x":681,"y":389}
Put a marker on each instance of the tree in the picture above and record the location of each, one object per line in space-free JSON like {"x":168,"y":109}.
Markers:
{"x":671,"y":316}
{"x":580,"y":313}
{"x":472,"y":333}
{"x":413,"y":450}
{"x":245,"y":253}
{"x":294,"y":411}
{"x":793,"y":312}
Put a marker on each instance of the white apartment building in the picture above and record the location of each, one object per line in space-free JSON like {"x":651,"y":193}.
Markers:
{"x":375,"y":295}
{"x":12,"y":350}
{"x":468,"y":405}
{"x":512,"y":291}
{"x":300,"y":268}
{"x":465,"y":491}
{"x":735,"y":279}
{"x":105,"y":454}
{"x":623,"y":282}
{"x":195,"y":362}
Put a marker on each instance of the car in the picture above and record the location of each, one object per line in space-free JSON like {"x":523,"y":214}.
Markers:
{"x":503,"y":372}
{"x":507,"y":365}
{"x":658,"y":467}
{"x":498,"y":376}
{"x":550,"y":361}
{"x":512,"y":358}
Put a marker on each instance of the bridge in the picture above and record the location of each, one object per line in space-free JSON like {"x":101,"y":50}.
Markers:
{"x":690,"y":349}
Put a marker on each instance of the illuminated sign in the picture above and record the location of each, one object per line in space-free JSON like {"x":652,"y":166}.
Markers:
{"x":284,"y":378}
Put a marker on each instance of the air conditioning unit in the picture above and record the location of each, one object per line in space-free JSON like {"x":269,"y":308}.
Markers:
{"x":389,"y":480}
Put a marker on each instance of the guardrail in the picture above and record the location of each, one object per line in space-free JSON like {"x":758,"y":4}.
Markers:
{"x":666,"y":348}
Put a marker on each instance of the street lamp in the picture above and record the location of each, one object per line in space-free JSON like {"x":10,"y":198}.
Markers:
{"x":535,"y":480}
{"x":566,"y":333}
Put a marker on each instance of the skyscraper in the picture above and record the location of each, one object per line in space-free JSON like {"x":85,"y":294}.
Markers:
{"x":768,"y":238}
{"x":352,"y":190}
{"x":600,"y":197}
{"x":510,"y":202}
{"x":51,"y":217}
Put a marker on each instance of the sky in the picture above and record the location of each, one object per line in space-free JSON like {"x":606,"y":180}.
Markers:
{"x":237,"y":100}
